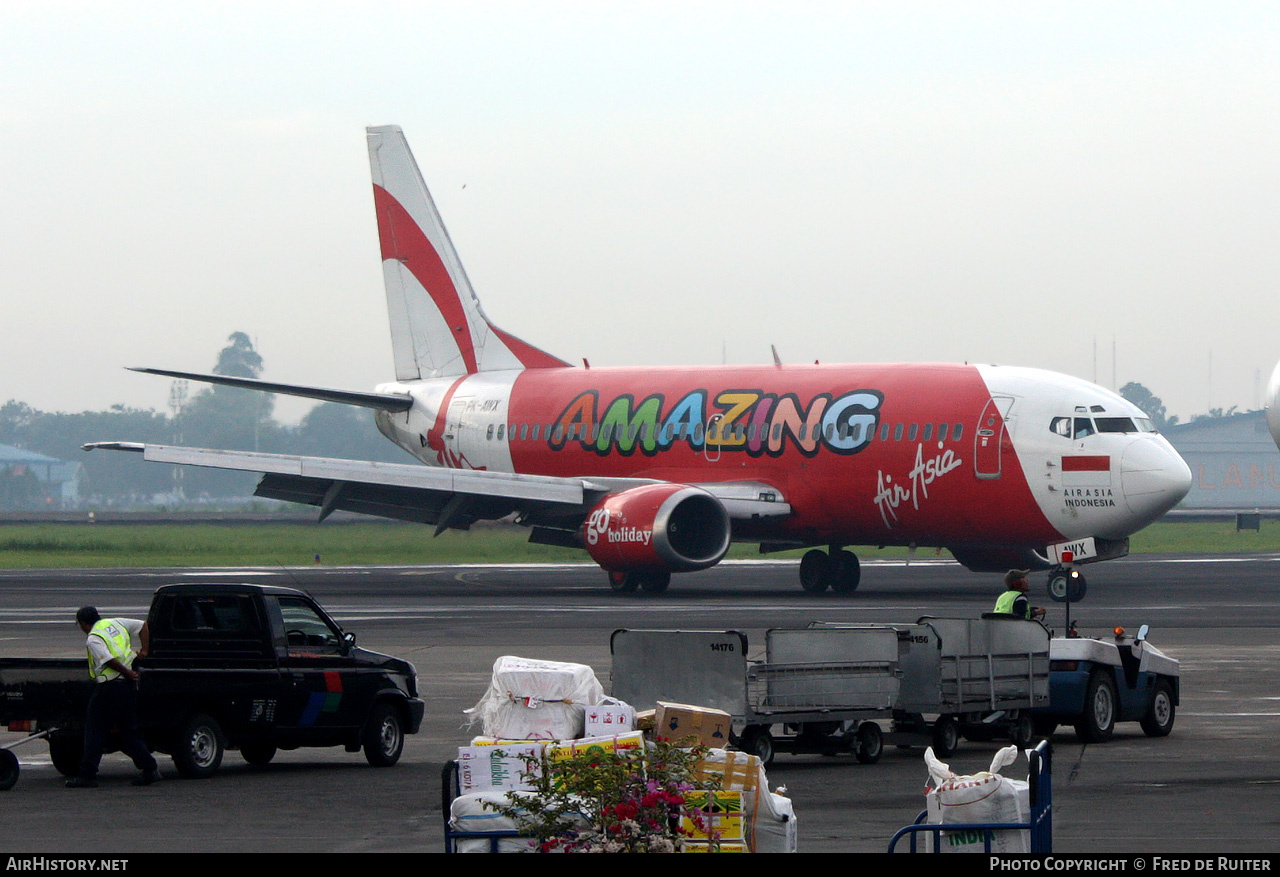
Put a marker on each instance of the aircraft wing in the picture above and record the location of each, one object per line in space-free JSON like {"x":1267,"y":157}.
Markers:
{"x":433,"y":495}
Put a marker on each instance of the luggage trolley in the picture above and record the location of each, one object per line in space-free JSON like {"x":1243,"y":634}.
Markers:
{"x":827,"y":688}
{"x":976,"y":677}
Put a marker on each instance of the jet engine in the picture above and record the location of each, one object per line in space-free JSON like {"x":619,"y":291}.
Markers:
{"x":671,"y":527}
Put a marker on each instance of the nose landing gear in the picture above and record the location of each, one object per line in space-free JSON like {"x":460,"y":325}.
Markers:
{"x":1066,"y":585}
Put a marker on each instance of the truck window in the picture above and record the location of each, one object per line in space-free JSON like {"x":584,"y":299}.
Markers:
{"x":221,"y":614}
{"x":305,"y":630}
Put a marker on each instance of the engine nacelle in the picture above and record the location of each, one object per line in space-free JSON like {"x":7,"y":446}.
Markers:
{"x":672,"y":527}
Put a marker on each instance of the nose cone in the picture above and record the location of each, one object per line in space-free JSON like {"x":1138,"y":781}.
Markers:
{"x":1153,"y":477}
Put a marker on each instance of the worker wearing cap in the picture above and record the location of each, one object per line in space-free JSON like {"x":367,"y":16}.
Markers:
{"x":114,"y":701}
{"x":1014,"y":599}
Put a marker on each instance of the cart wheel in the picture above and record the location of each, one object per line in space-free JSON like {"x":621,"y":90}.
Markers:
{"x":756,"y":740}
{"x":8,"y":770}
{"x":946,"y":736}
{"x":1022,"y":730}
{"x":870,"y":743}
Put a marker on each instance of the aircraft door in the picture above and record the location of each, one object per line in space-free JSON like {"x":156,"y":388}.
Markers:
{"x":454,"y":430}
{"x":714,"y":438}
{"x":990,"y":437}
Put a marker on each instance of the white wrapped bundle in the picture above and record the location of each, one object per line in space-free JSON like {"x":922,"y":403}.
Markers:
{"x":536,"y":700}
{"x":982,"y":798}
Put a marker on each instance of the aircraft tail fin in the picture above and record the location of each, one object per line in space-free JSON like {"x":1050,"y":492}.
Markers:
{"x":438,"y":328}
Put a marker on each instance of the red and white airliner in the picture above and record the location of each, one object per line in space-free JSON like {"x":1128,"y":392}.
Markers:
{"x":656,"y":470}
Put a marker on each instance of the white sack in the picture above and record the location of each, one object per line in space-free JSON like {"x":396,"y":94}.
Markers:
{"x":985,"y":797}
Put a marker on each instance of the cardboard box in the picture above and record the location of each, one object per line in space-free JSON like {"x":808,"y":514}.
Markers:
{"x":733,"y":771}
{"x":680,"y":723}
{"x":608,"y":720}
{"x":704,"y":846}
{"x":481,"y":768}
{"x":632,"y":741}
{"x":720,"y":812}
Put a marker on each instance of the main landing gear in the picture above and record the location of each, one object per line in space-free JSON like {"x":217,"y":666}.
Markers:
{"x":651,"y":581}
{"x":838,"y":570}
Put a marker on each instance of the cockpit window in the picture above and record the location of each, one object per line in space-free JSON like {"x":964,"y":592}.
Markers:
{"x":1083,"y":427}
{"x":1061,"y":426}
{"x":1116,"y":424}
{"x":1144,"y":425}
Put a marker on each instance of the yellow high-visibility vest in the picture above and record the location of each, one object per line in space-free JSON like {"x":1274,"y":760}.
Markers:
{"x":119,"y":644}
{"x":1006,"y":601}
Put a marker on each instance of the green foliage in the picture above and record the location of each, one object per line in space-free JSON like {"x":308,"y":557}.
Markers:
{"x":629,"y":801}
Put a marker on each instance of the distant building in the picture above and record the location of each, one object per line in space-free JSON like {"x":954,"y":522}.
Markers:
{"x":33,"y":481}
{"x":1234,"y":463}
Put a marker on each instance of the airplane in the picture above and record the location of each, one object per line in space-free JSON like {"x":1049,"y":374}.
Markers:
{"x":1273,"y":405}
{"x":656,"y":470}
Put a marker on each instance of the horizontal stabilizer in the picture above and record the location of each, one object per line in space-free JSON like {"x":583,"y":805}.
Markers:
{"x":382,"y":401}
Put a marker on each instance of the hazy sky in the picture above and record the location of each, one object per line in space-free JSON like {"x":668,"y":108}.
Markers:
{"x":647,"y":183}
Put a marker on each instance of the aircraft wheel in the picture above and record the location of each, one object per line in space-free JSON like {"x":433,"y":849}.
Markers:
{"x":654,"y":581}
{"x":815,"y":571}
{"x":623,"y":582}
{"x":1067,"y":585}
{"x":847,"y":572}
{"x":8,"y":770}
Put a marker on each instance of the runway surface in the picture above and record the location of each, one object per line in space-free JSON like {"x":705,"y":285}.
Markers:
{"x":1211,"y":786}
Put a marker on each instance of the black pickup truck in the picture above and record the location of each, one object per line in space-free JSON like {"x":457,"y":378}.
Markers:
{"x":246,"y":667}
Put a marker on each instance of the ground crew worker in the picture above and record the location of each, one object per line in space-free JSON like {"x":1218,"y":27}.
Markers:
{"x":114,"y":701}
{"x":1014,"y":599}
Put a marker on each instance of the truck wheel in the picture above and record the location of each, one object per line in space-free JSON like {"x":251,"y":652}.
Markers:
{"x":946,"y":736}
{"x":8,"y":770}
{"x":1158,"y":721}
{"x":870,"y":743}
{"x":65,"y":751}
{"x":198,"y":747}
{"x":258,"y":754}
{"x":1099,"y":718}
{"x":383,"y":738}
{"x":756,"y":740}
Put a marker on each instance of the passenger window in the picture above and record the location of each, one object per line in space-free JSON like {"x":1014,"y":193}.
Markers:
{"x":488,"y":433}
{"x":884,"y":432}
{"x":957,"y":431}
{"x":911,"y":432}
{"x":501,"y":428}
{"x":897,"y":432}
{"x":942,"y":432}
{"x":928,"y":432}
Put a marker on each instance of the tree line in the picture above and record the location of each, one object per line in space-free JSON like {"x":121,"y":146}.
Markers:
{"x":213,"y":417}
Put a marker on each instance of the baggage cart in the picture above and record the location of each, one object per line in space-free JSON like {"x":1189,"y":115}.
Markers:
{"x":816,"y":691}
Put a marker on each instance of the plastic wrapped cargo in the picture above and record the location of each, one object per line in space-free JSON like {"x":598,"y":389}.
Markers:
{"x":536,"y":700}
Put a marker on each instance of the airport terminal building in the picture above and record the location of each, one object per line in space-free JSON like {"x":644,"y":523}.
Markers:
{"x":1234,"y":463}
